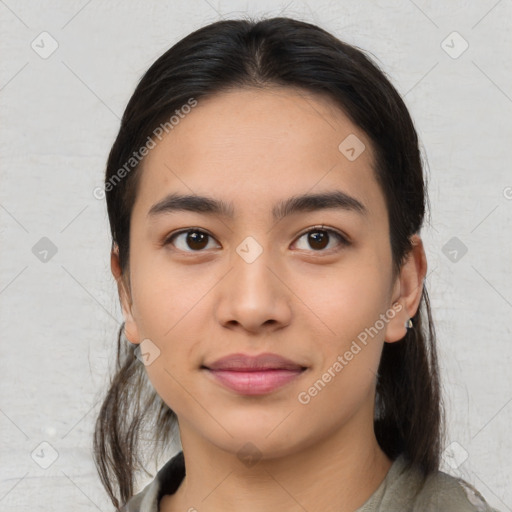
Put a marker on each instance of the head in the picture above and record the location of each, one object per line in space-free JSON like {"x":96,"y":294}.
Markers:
{"x":251,"y":114}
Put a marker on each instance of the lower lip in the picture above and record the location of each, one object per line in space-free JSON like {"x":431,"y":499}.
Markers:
{"x":256,"y":382}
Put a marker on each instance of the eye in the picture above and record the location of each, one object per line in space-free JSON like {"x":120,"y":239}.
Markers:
{"x":196,"y":239}
{"x":319,"y":237}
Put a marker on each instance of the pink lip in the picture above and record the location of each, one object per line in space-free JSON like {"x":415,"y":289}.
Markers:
{"x":254,"y":375}
{"x":254,"y":383}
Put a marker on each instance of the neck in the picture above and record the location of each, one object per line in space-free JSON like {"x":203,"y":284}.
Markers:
{"x":338,"y":473}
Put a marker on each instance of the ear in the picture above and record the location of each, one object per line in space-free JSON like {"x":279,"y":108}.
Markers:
{"x":130,"y":328}
{"x":407,"y":290}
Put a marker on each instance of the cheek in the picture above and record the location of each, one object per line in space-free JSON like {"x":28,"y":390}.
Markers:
{"x":350,"y":343}
{"x":163,"y":295}
{"x":174,"y":372}
{"x":344,"y":302}
{"x":349,"y":339}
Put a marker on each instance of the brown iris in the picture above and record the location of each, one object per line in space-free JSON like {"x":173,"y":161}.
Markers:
{"x":316,"y":238}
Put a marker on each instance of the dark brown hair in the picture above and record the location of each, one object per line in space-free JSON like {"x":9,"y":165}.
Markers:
{"x":262,"y":53}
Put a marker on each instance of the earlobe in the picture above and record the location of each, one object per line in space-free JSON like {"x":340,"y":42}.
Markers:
{"x":408,"y":291}
{"x":130,"y":336}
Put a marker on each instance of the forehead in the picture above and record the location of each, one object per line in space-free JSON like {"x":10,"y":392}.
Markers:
{"x":254,"y":147}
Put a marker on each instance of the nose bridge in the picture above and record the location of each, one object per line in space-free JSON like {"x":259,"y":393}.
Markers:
{"x":252,"y":295}
{"x":251,"y":263}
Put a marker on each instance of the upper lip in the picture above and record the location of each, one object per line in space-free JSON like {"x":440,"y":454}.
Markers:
{"x":243,"y":362}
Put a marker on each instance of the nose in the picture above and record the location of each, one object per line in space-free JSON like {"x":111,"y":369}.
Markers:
{"x":254,"y":296}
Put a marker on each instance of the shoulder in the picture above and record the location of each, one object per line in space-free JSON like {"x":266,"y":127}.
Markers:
{"x":441,"y":491}
{"x":406,"y":488}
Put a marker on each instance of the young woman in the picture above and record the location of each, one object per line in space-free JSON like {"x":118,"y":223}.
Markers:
{"x":265,"y":194}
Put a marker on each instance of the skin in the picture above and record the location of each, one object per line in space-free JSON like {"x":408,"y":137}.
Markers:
{"x":254,"y":148}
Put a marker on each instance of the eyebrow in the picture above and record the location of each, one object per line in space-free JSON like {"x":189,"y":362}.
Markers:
{"x":295,"y":204}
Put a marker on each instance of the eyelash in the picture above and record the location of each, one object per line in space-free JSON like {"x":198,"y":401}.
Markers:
{"x":315,"y":229}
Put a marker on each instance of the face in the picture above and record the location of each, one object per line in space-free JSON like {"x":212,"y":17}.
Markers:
{"x":310,"y":286}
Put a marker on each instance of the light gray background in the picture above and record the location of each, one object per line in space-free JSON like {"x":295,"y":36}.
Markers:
{"x":59,"y":117}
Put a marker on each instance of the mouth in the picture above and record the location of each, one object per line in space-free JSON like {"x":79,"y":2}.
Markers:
{"x":254,"y":375}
